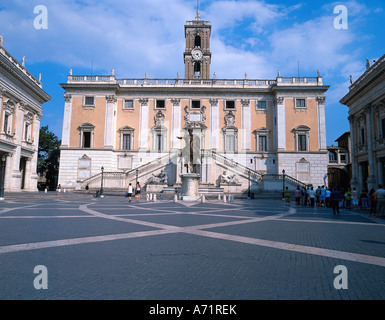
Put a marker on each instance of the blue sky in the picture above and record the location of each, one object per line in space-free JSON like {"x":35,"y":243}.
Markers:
{"x":138,"y":36}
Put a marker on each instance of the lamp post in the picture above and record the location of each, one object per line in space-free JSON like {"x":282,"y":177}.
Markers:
{"x":101,"y":184}
{"x":283,"y":184}
{"x":137,"y":173}
{"x":248,"y":190}
{"x":2,"y":177}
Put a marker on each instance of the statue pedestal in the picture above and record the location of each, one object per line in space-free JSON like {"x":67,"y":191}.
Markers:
{"x":155,"y":187}
{"x":190,"y":186}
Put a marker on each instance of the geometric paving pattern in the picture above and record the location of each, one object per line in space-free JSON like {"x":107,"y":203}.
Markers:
{"x":248,"y":250}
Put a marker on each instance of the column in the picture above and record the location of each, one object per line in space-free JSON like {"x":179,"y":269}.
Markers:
{"x":66,"y":120}
{"x":109,"y":122}
{"x":16,"y":175}
{"x":281,"y":124}
{"x":246,"y":126}
{"x":27,"y":176}
{"x":321,"y":123}
{"x":1,"y":104}
{"x":380,"y":172}
{"x":33,"y":162}
{"x":214,"y":124}
{"x":176,"y":125}
{"x":8,"y":172}
{"x":372,"y":179}
{"x":143,"y":126}
{"x":353,"y":138}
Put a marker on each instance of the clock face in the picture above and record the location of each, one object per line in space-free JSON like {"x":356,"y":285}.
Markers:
{"x":197,"y":54}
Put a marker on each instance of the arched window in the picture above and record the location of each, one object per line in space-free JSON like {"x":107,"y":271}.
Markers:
{"x":332,"y":157}
{"x":198,"y":41}
{"x":197,"y":69}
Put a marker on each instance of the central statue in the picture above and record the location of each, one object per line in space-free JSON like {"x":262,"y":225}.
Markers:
{"x":191,"y":151}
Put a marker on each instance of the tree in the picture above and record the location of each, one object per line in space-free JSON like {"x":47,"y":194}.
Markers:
{"x":48,"y":157}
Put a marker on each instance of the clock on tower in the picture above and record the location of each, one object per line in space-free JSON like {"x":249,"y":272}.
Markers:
{"x":197,"y":55}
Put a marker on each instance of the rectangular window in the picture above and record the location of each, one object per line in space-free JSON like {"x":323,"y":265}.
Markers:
{"x":159,"y":142}
{"x":230,"y":143}
{"x":230,"y":105}
{"x":128,"y":104}
{"x":302,"y":143}
{"x":363,"y":136}
{"x":196,"y":104}
{"x":300,"y":103}
{"x":383,"y":127}
{"x":160,"y":104}
{"x":5,"y":128}
{"x":261,"y":105}
{"x":89,"y":101}
{"x":126,"y":142}
{"x":86,"y":139}
{"x":26,"y":132}
{"x":262,"y":143}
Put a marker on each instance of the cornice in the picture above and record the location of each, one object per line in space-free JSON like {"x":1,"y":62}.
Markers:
{"x":23,"y":78}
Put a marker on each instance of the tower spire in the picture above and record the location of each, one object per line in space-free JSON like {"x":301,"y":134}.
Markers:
{"x":198,"y":17}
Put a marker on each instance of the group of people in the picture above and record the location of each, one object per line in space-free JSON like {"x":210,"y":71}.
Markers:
{"x":308,"y":196}
{"x":130,"y":190}
{"x":374,"y":200}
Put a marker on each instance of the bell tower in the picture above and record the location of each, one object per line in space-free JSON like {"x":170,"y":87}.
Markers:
{"x":197,"y":55}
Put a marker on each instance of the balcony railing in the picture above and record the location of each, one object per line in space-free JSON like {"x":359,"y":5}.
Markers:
{"x":234,"y":83}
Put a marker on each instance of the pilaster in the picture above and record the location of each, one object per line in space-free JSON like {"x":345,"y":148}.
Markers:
{"x":321,"y":123}
{"x":246,"y":126}
{"x":214,"y":124}
{"x":109,"y":123}
{"x":281,"y":124}
{"x":67,"y":120}
{"x":143,"y":127}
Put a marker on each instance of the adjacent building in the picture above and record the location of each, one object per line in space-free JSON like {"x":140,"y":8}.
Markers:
{"x":21,"y":99}
{"x":366,"y":103}
{"x":340,"y":168}
{"x":252,"y":130}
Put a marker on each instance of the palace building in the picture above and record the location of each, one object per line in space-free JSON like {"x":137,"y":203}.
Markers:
{"x":21,"y":99}
{"x":366,"y":103}
{"x":248,"y":134}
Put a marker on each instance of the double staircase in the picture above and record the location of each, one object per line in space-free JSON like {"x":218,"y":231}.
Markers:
{"x":261,"y":181}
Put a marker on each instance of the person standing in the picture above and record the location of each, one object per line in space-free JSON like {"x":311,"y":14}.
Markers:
{"x":58,"y":189}
{"x":328,"y":193}
{"x":355,"y":196}
{"x":286,"y":194}
{"x":380,"y":200}
{"x":322,"y":196}
{"x":373,"y":202}
{"x":312,"y":196}
{"x":297,"y":195}
{"x":87,"y":189}
{"x":129,"y":192}
{"x":137,"y":191}
{"x":334,"y":200}
{"x":348,"y":198}
{"x":365,"y":203}
{"x":317,"y":195}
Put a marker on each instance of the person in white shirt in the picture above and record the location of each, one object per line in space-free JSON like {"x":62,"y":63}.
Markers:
{"x":129,"y":192}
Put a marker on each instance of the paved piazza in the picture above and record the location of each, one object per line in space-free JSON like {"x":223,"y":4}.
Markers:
{"x":247,"y":250}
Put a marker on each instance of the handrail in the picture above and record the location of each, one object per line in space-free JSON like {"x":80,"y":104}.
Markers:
{"x":233,"y":164}
{"x":127,"y":173}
